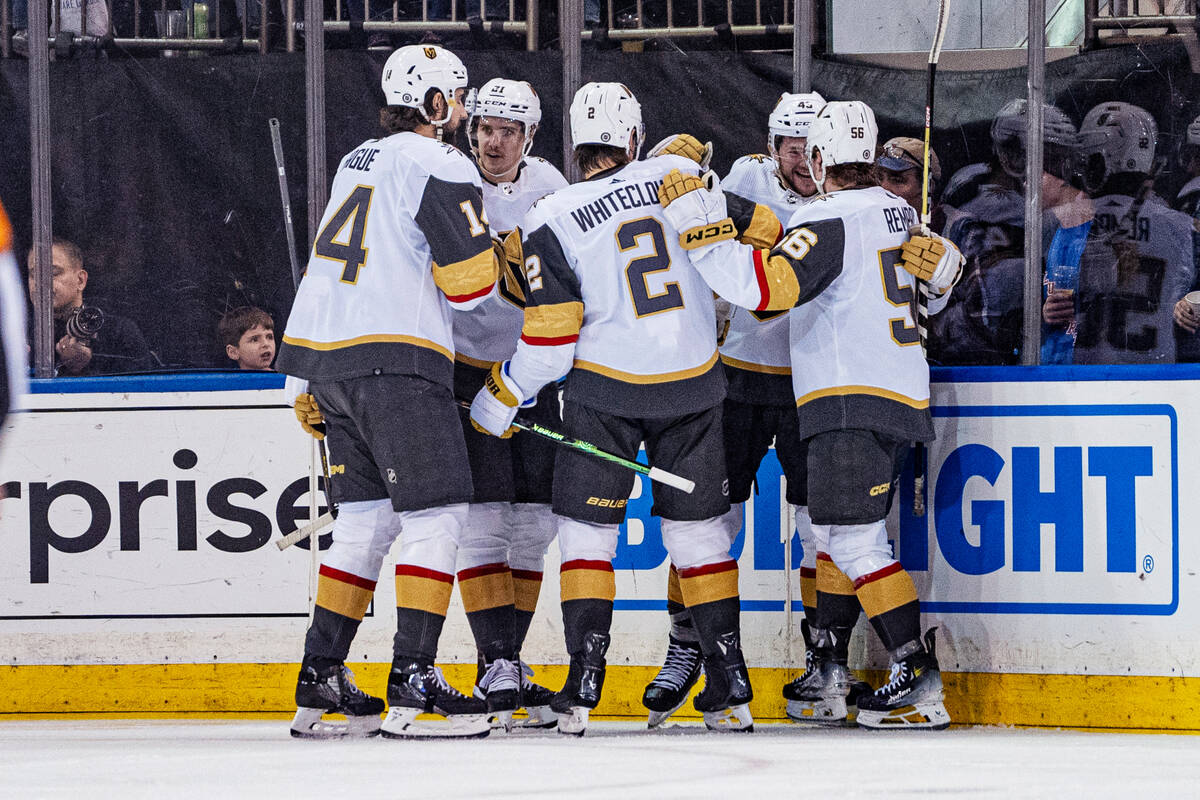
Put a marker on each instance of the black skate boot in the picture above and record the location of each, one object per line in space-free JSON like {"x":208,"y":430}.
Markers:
{"x":501,"y":688}
{"x":819,"y":695}
{"x":725,"y":699}
{"x":416,"y":687}
{"x":327,"y":687}
{"x":585,"y":681}
{"x":669,"y":689}
{"x":912,"y":697}
{"x":535,"y":699}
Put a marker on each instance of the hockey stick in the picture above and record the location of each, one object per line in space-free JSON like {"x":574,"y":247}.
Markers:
{"x":296,"y":536}
{"x":317,"y":527}
{"x":653,"y":473}
{"x":935,"y":52}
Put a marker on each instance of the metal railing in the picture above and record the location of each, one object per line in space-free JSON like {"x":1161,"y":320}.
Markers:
{"x":623,"y":20}
{"x":1145,"y":17}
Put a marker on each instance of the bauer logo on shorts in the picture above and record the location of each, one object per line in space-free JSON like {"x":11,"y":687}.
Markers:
{"x":607,"y":502}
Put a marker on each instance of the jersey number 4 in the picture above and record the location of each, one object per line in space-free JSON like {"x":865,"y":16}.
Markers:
{"x":350,"y":252}
{"x":659,"y":260}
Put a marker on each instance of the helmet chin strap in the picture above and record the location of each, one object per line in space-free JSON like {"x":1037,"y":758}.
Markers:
{"x":818,"y":182}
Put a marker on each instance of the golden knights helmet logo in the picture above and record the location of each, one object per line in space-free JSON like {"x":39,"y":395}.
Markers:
{"x":431,"y":52}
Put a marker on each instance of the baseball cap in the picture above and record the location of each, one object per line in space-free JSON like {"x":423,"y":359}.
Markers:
{"x":904,"y":153}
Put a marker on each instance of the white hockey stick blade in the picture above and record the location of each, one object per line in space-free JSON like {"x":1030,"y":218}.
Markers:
{"x":316,"y":527}
{"x":402,"y":723}
{"x":671,"y":479}
{"x":939,"y":33}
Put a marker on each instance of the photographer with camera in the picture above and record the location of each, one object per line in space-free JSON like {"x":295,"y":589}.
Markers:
{"x":87,"y":340}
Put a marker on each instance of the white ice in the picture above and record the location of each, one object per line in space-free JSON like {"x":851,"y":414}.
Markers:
{"x":168,"y":759}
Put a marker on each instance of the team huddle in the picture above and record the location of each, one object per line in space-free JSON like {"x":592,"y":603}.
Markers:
{"x":650,"y":304}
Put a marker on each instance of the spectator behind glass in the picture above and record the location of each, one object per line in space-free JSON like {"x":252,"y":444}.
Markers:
{"x":95,"y":342}
{"x":1187,"y":321}
{"x":248,"y":334}
{"x":900,"y":165}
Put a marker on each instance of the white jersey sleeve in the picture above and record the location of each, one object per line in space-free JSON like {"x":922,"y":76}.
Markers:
{"x":12,"y":322}
{"x":403,"y":240}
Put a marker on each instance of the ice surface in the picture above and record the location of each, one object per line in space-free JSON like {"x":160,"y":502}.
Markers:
{"x":210,"y":759}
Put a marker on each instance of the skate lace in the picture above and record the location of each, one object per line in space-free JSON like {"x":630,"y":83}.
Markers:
{"x":349,"y":686}
{"x":526,"y":674}
{"x":443,"y":684}
{"x":501,"y":676}
{"x":895,"y":679}
{"x":677,"y":668}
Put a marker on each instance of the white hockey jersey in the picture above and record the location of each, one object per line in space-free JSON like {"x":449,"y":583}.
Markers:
{"x":755,"y":351}
{"x":13,"y":347}
{"x":403,"y":240}
{"x":1131,"y":274}
{"x":614,"y":300}
{"x":488,"y":333}
{"x":855,"y":353}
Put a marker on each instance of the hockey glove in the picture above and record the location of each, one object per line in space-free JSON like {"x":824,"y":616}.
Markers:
{"x":686,"y":145}
{"x":495,"y":405}
{"x":725,"y":311}
{"x":310,"y":415}
{"x":934,"y":260}
{"x":696,"y":207}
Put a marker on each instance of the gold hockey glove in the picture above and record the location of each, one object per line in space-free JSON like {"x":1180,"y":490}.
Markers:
{"x":934,"y":260}
{"x":310,"y":415}
{"x":686,"y":145}
{"x":495,"y":405}
{"x":695,"y":206}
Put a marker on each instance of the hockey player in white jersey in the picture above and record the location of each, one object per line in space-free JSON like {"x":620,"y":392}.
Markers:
{"x":369,"y":352}
{"x":859,"y":378}
{"x":759,"y":407}
{"x":1139,"y":257}
{"x":614,"y":305}
{"x":509,"y":523}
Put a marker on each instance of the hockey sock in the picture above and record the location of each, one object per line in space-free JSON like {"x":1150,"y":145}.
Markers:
{"x":487,"y":595}
{"x":711,"y":594}
{"x":587,"y":591}
{"x":808,"y":594}
{"x":890,"y":600}
{"x":342,"y":600}
{"x":527,"y":585}
{"x":422,"y":597}
{"x":682,"y":628}
{"x":837,"y":605}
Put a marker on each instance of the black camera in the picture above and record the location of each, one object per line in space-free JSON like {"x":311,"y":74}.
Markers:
{"x":84,"y":322}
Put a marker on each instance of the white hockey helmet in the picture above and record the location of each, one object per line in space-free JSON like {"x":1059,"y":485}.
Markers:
{"x":607,"y":113}
{"x":412,"y":71}
{"x":843,"y":132}
{"x":1059,"y":137}
{"x":1117,"y":137}
{"x":506,"y":99}
{"x":791,"y":116}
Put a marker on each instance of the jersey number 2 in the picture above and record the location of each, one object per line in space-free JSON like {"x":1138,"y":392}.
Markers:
{"x":659,"y":260}
{"x":351,"y":253}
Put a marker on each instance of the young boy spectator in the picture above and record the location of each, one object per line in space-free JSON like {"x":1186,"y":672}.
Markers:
{"x":248,"y":334}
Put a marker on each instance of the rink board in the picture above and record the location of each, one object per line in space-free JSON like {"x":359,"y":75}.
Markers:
{"x":1057,"y":557}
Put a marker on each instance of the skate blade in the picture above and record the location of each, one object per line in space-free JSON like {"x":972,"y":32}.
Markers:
{"x":656,"y":718}
{"x":501,"y":720}
{"x":922,"y":716}
{"x":831,"y":712}
{"x":308,"y":724}
{"x":574,"y":722}
{"x":401,"y":723}
{"x":733,"y":719}
{"x":539,"y":718}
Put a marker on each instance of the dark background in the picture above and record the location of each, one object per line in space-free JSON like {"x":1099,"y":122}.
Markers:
{"x":163,"y":172}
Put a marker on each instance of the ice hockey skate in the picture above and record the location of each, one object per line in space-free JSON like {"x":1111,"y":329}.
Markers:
{"x":585,"y":681}
{"x":330,"y":689}
{"x":415,"y":688}
{"x":669,"y":689}
{"x":817,"y":696}
{"x":725,"y":699}
{"x":535,"y":699}
{"x":501,"y":688}
{"x":912,"y":698}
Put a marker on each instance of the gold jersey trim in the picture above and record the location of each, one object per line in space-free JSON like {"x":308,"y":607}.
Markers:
{"x":370,"y":338}
{"x":473,"y":362}
{"x":750,"y":366}
{"x":553,"y":320}
{"x":663,"y":377}
{"x":467,"y":277}
{"x":874,"y":391}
